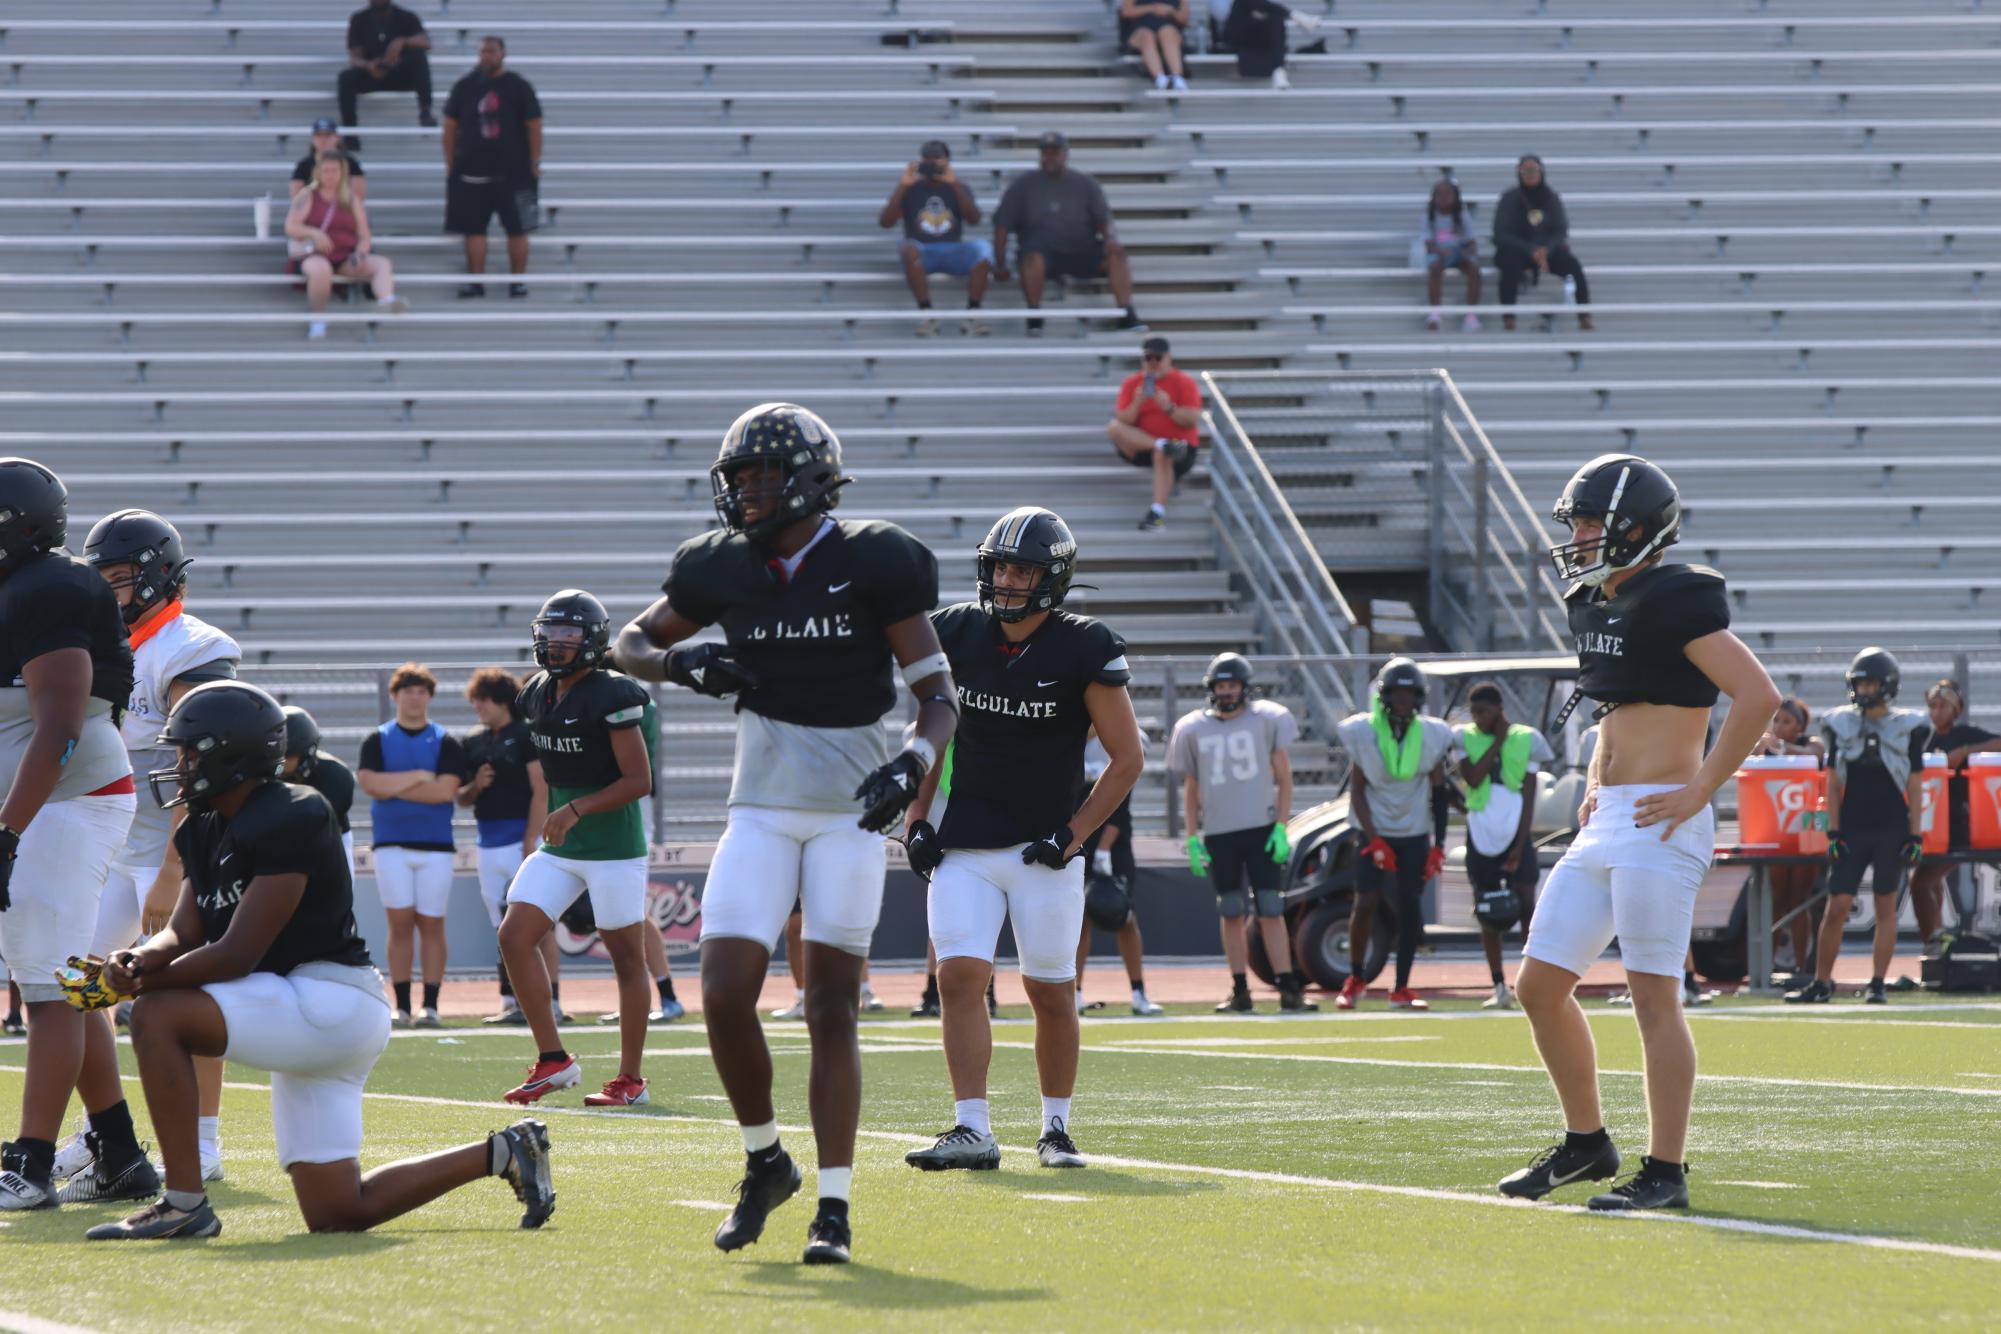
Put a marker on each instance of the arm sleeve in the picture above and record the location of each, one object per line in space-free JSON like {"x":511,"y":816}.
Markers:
{"x":452,"y":759}
{"x":217,"y":669}
{"x":682,"y":586}
{"x":371,"y":752}
{"x":291,"y":843}
{"x":626,"y":707}
{"x":907,"y":580}
{"x":55,"y":616}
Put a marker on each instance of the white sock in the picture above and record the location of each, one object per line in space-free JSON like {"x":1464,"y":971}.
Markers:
{"x":835,"y":1182}
{"x":208,"y":1130}
{"x":756,"y":1139}
{"x":1055,"y":1110}
{"x":1159,"y":444}
{"x":972,"y":1114}
{"x":498,"y":1154}
{"x":1158,"y":509}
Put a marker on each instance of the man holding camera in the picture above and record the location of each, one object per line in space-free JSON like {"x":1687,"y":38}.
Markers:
{"x":936,"y":208}
{"x":1158,"y":425}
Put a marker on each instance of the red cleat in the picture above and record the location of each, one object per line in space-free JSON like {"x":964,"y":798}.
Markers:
{"x":545,"y":1077}
{"x":1351,"y":991}
{"x":625,"y":1091}
{"x":1403,"y":998}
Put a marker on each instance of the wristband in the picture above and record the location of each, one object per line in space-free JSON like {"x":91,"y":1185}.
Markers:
{"x":925,"y":753}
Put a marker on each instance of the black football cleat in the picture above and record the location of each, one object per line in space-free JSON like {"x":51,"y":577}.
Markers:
{"x":1877,"y":994}
{"x":1654,"y":1186}
{"x":828,"y":1239}
{"x":160,"y":1221}
{"x":1560,"y":1165}
{"x":103,"y":1182}
{"x":1815,"y":992}
{"x":926,"y":1007}
{"x":1292,"y":997}
{"x":1239,"y":1003}
{"x":763,"y":1188}
{"x":527,"y":1170}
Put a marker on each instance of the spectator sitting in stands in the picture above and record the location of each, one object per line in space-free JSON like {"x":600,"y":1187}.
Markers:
{"x":1449,"y":244}
{"x":1255,"y":31}
{"x":387,"y":52}
{"x":1158,"y":425}
{"x":1152,"y":30}
{"x":496,"y":167}
{"x":326,"y":139}
{"x":328,"y":233}
{"x":1958,"y":739}
{"x":1066,"y":232}
{"x":935,"y":208}
{"x":1791,"y":885}
{"x":1532,"y":237}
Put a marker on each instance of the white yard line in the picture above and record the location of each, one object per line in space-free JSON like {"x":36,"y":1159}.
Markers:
{"x":22,"y":1323}
{"x":1231,"y":1174}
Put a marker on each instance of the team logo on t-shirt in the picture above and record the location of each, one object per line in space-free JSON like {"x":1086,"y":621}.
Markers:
{"x":935,"y":218}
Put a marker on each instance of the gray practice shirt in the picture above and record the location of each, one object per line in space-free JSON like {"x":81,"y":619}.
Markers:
{"x":1230,"y":759}
{"x":1398,"y":809}
{"x":1045,"y":212}
{"x":800,"y":768}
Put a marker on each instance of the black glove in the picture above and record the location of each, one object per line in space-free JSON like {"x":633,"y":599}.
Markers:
{"x":1913,"y":850}
{"x":1837,"y":848}
{"x":10,"y":848}
{"x":1048,"y":851}
{"x":885,"y":793}
{"x":921,"y":845}
{"x":708,"y":669}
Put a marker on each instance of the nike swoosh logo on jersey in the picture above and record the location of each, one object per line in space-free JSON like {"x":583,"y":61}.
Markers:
{"x":835,"y":588}
{"x":1613,"y":620}
{"x":1045,"y":684}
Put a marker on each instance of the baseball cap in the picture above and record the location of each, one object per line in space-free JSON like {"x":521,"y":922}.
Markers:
{"x":326,"y":125}
{"x":1155,"y":346}
{"x":1053,"y":139}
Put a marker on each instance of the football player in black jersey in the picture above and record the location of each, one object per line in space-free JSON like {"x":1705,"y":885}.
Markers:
{"x":1654,"y":648}
{"x":306,"y":763}
{"x":814,"y":614}
{"x":66,"y":801}
{"x":1033,"y":680}
{"x":262,"y":961}
{"x":589,"y":725}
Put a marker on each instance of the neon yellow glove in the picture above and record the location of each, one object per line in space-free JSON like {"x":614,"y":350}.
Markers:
{"x":1198,"y":855}
{"x":84,"y":987}
{"x":1279,"y":845}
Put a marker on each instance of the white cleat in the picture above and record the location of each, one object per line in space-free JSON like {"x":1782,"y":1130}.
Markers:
{"x":1143,"y":1006}
{"x":1056,"y":1148}
{"x":959,"y":1147}
{"x":796,"y":1010}
{"x":1500,"y":1000}
{"x":74,"y":1157}
{"x":870,"y":1001}
{"x":429,"y":1018}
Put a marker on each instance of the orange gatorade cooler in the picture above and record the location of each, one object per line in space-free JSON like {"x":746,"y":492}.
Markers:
{"x":1983,"y":781}
{"x":1776,"y":796}
{"x":1935,"y":827}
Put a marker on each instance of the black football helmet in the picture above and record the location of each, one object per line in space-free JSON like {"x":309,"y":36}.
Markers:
{"x":34,"y":511}
{"x":237,"y":734}
{"x":573,"y":606}
{"x":302,"y":738}
{"x":796,"y":440}
{"x":1637,"y":502}
{"x":1228,"y":667}
{"x":1028,"y":536}
{"x":1402,"y":674}
{"x":1878,"y":665}
{"x":1106,"y":902}
{"x":144,"y":539}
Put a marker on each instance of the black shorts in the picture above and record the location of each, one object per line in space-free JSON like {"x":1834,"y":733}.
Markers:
{"x":1151,"y":23}
{"x":1882,"y":849}
{"x":1083,"y":263}
{"x":1407,"y":880}
{"x":1240,"y":856}
{"x":470,"y":206}
{"x":1182,"y":466}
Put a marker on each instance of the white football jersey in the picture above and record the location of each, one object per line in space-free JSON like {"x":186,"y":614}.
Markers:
{"x":178,"y":647}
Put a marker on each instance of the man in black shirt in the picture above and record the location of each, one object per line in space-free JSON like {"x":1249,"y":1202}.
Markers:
{"x":1033,"y":681}
{"x":262,"y":962}
{"x":326,"y":139}
{"x":1951,"y":733}
{"x":66,"y":802}
{"x":493,"y":162}
{"x":1065,"y":230}
{"x":306,"y":763}
{"x":935,"y":208}
{"x":387,"y":52}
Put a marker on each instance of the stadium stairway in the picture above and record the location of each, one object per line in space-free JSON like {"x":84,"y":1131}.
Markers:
{"x":1786,"y":213}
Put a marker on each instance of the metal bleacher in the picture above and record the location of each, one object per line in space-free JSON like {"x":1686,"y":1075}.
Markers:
{"x":1786,"y":210}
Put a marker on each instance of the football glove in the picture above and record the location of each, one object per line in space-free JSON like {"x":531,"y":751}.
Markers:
{"x":1048,"y":851}
{"x":1434,"y":862}
{"x":885,"y":793}
{"x":10,"y":848}
{"x":84,"y":987}
{"x":921,"y":845}
{"x":1279,"y":845}
{"x":1913,"y":850}
{"x":1198,"y":855}
{"x":708,"y":669}
{"x":1837,"y":848}
{"x":1381,"y":853}
{"x":1101,"y":862}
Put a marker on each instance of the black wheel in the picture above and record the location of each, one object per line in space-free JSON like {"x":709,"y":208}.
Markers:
{"x":1321,"y":942}
{"x":1721,"y":960}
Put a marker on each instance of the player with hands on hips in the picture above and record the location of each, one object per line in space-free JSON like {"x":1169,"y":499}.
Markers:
{"x":1034,"y":679}
{"x":815,"y":613}
{"x":1236,"y":780}
{"x":1398,"y":766}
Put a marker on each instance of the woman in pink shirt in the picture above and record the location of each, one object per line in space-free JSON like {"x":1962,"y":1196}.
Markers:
{"x":328,"y":234}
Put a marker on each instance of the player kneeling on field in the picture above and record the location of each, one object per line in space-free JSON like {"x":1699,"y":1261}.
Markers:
{"x":261,"y":963}
{"x":1033,"y":680}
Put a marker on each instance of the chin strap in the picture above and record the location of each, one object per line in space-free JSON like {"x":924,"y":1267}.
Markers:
{"x":1570,"y":706}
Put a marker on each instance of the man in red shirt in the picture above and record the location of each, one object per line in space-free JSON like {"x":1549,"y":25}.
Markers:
{"x":1158,"y":425}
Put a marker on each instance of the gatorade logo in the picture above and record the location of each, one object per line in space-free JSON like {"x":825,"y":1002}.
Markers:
{"x":1992,"y":787}
{"x":1793,"y":800}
